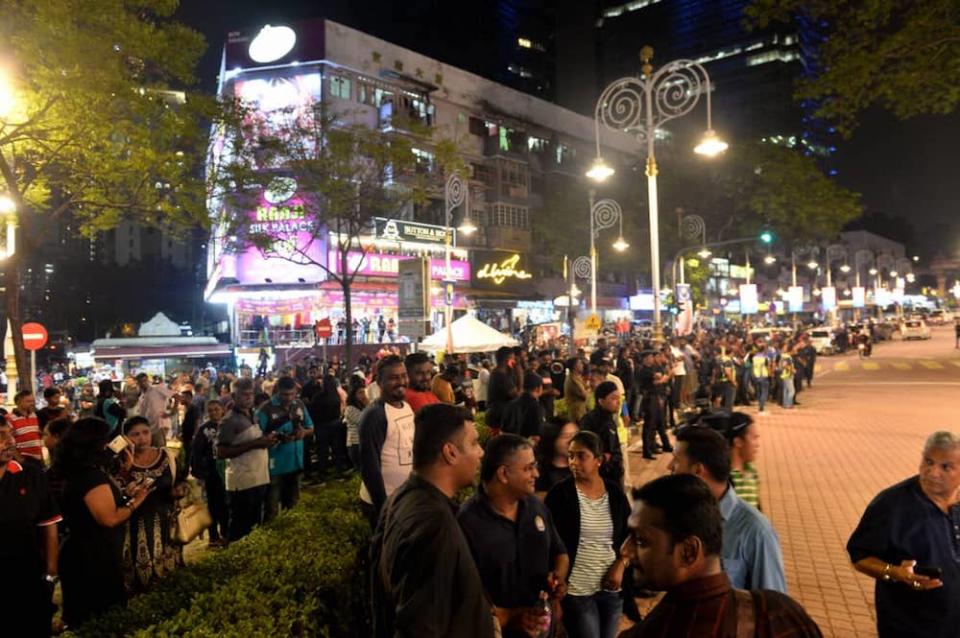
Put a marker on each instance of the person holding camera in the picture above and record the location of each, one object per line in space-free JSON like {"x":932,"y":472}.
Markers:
{"x":95,"y":511}
{"x":286,"y":417}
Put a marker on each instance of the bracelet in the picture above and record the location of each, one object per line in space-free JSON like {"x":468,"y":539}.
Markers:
{"x":885,"y":576}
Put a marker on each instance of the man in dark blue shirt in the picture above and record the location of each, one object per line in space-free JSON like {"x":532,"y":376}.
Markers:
{"x":909,"y":540}
{"x":511,"y":535}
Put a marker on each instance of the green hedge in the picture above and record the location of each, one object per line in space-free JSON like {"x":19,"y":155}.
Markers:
{"x":301,"y":575}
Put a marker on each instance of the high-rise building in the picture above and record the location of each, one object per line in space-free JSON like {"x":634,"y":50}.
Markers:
{"x":752,"y":71}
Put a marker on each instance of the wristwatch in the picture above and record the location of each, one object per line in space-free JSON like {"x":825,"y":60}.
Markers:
{"x":52,"y":579}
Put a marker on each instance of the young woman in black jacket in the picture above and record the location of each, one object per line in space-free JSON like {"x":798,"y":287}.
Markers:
{"x":591,"y":514}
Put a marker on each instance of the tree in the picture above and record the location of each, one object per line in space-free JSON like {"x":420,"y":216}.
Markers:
{"x":778,"y":187}
{"x":341,"y":171}
{"x":901,"y":54}
{"x":90,"y":124}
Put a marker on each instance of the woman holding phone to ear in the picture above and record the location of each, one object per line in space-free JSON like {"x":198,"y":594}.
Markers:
{"x":148,"y":551}
{"x":95,"y":511}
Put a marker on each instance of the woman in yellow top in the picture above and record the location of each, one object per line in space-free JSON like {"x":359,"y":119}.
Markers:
{"x":575,"y":391}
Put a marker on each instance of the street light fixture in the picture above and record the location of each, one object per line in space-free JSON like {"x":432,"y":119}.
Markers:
{"x":603,"y":214}
{"x":641,"y":106}
{"x":911,"y":277}
{"x":704,"y":252}
{"x":812,"y":265}
{"x":467,"y":227}
{"x":769,"y":260}
{"x":711,"y":145}
{"x":7,"y":97}
{"x":621,"y":244}
{"x":894,"y":273}
{"x":600,"y":171}
{"x":873,"y":271}
{"x":845,"y":268}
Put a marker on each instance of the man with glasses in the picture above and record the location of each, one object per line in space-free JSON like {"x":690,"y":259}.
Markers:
{"x":511,"y":535}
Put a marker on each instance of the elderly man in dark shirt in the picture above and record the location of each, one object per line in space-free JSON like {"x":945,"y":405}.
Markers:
{"x":521,"y":559}
{"x":425,"y":582}
{"x":677,"y":536}
{"x":909,"y":540}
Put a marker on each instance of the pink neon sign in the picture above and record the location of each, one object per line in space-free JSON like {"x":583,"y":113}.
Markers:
{"x":381,"y":265}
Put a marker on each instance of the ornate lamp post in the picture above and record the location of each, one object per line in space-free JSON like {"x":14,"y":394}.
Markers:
{"x":456,"y":193}
{"x":641,"y":105}
{"x":603,"y":214}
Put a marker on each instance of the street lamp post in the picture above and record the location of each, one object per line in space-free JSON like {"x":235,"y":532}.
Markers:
{"x":603,"y":214}
{"x":640,"y":106}
{"x":456,"y":193}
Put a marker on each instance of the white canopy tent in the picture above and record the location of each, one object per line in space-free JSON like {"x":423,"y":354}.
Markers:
{"x":469,"y":335}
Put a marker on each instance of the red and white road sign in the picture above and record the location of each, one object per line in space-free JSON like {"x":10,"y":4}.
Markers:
{"x":34,"y":336}
{"x":324,"y":328}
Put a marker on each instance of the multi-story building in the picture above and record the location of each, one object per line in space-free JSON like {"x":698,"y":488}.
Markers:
{"x":516,"y":147}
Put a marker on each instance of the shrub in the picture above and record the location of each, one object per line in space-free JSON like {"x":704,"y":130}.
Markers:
{"x":301,"y":575}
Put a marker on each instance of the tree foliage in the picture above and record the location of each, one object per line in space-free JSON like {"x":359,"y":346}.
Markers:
{"x":90,"y":126}
{"x":901,"y":54}
{"x":780,"y":188}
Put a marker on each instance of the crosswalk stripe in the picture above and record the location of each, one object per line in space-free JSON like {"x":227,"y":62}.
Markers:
{"x":871,"y":365}
{"x":841,"y":366}
{"x":899,"y":365}
{"x":932,"y":365}
{"x":955,"y":362}
{"x":818,"y":367}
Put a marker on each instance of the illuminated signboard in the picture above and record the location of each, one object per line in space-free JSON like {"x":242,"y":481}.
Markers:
{"x":380,"y":265}
{"x":828,"y":297}
{"x":500,"y":271}
{"x":795,"y":298}
{"x":859,"y":296}
{"x":295,"y":251}
{"x":398,"y":230}
{"x":748,"y":299}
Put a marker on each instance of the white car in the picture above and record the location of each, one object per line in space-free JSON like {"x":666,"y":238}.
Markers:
{"x":824,"y":340}
{"x":940,"y":317}
{"x":914,"y":329}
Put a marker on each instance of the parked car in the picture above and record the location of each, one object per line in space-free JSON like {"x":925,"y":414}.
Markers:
{"x":940,"y":317}
{"x":766,"y":332}
{"x":824,"y":340}
{"x":914,"y":329}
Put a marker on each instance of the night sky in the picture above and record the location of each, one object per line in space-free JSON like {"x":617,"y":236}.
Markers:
{"x":904,"y":170}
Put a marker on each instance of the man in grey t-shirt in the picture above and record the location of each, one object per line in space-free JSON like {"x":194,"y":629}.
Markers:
{"x":242,"y":443}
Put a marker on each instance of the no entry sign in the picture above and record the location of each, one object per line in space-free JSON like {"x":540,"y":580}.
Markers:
{"x":34,"y":336}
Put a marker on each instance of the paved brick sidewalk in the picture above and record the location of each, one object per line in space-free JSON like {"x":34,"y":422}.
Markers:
{"x":857,"y":431}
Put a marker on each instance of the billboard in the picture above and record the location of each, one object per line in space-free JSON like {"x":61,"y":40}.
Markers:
{"x":500,"y":270}
{"x":413,"y":297}
{"x":859,"y":294}
{"x":795,"y":298}
{"x":828,"y":298}
{"x":399,"y":230}
{"x":383,"y":265}
{"x":748,"y":299}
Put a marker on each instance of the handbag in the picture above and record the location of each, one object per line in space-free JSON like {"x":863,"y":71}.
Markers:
{"x":189,"y":522}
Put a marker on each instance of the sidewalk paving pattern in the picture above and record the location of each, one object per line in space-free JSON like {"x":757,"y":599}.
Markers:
{"x":858,"y":430}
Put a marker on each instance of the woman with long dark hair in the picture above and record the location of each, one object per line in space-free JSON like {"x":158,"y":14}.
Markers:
{"x":356,"y":402}
{"x":108,"y":407}
{"x":148,"y":550}
{"x":591,"y":517}
{"x":551,"y":452}
{"x":95,"y":510}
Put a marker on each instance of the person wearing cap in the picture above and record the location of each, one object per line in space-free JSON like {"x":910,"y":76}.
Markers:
{"x":601,"y":420}
{"x":524,"y":415}
{"x":606,"y":365}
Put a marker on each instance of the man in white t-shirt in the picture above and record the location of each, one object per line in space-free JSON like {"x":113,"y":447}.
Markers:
{"x":386,"y":438}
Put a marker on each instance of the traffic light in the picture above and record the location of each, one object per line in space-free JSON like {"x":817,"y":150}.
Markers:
{"x":766,"y":237}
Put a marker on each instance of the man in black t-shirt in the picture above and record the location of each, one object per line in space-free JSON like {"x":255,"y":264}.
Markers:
{"x":502,"y":389}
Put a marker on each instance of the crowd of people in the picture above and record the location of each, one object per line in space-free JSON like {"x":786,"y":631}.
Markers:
{"x":554,"y":540}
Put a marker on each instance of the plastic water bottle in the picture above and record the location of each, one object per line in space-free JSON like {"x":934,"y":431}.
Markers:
{"x":546,"y":615}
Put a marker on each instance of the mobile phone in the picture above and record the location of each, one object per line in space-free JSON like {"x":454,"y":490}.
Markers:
{"x":148,"y":482}
{"x":928,"y":571}
{"x":118,"y":444}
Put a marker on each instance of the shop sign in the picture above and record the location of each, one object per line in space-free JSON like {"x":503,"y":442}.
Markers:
{"x":381,"y":265}
{"x":828,"y":298}
{"x":397,"y":230}
{"x":795,"y":298}
{"x":413,"y":297}
{"x":498,"y":272}
{"x":859,"y":296}
{"x":748,"y":299}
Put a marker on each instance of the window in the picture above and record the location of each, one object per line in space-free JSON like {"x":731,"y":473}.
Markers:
{"x":513,"y":173}
{"x":565,"y":153}
{"x":508,"y":215}
{"x":505,"y":138}
{"x":424,"y":160}
{"x":366,"y":94}
{"x":536,"y":144}
{"x":477,"y":127}
{"x":340,"y":87}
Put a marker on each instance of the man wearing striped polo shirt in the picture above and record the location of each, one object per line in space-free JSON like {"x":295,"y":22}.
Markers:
{"x":26,"y":427}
